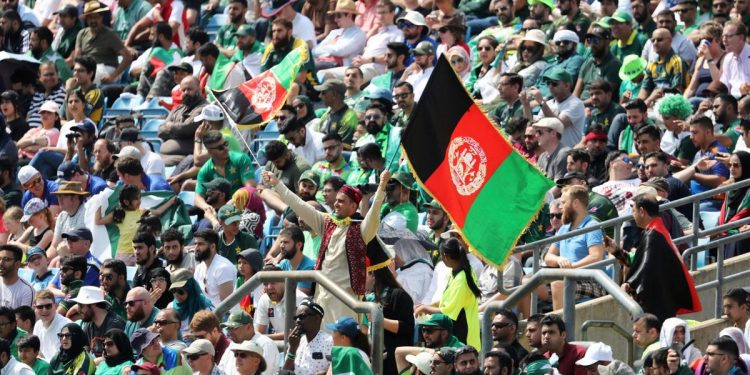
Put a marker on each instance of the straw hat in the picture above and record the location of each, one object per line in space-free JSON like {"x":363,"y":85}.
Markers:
{"x":344,"y":6}
{"x":92,"y":7}
{"x":71,"y":188}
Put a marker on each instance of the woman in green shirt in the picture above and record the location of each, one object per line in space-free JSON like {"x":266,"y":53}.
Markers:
{"x":72,"y":359}
{"x":118,"y":353}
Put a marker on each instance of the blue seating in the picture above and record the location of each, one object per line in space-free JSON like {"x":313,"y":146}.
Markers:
{"x":169,"y":170}
{"x":187,"y":197}
{"x":151,"y":109}
{"x":131,"y":274}
{"x":215,"y":23}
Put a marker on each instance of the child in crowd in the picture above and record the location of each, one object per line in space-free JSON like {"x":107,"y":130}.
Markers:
{"x":39,"y":233}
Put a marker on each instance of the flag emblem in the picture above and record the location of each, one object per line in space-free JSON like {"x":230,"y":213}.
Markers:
{"x":468,"y":165}
{"x":265,"y":94}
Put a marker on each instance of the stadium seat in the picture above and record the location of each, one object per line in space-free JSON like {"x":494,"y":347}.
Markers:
{"x":187,"y":197}
{"x":151,"y":109}
{"x":215,"y":23}
{"x":131,"y":274}
{"x":149,"y":128}
{"x":169,"y":170}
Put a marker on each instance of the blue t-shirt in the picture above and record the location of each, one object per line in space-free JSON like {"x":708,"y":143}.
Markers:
{"x":49,"y":188}
{"x":95,"y":185}
{"x":577,"y":248}
{"x":306,"y":264}
{"x":41,"y":283}
{"x":718,"y":169}
{"x":154,"y":183}
{"x":92,"y":272}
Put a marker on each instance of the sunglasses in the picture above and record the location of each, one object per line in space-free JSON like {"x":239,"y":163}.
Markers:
{"x":299,"y":106}
{"x":222,"y":146}
{"x":281,"y":118}
{"x":457,"y":60}
{"x":133,"y":302}
{"x":46,"y":306}
{"x":193,"y":357}
{"x":500,"y":325}
{"x":593,"y":39}
{"x":552,"y":83}
{"x":405,"y":25}
{"x":242,"y":355}
{"x":64,"y":336}
{"x":179,"y":291}
{"x":556,"y":216}
{"x":528,"y":136}
{"x":32,"y":183}
{"x":406,"y":95}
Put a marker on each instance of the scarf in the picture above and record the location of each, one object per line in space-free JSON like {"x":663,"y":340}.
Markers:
{"x":735,"y":206}
{"x":195,"y":302}
{"x":310,"y":110}
{"x":75,"y":360}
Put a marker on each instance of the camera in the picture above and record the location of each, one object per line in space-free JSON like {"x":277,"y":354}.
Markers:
{"x":73,"y":135}
{"x":367,"y":188}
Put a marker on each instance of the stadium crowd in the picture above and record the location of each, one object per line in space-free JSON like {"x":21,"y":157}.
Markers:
{"x":133,"y":206}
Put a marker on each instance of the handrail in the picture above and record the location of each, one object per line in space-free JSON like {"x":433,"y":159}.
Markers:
{"x":291,"y":278}
{"x":552,"y":274}
{"x":610,"y":324}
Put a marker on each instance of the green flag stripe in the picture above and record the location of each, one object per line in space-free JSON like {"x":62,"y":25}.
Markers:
{"x":288,"y":68}
{"x":505,"y":207}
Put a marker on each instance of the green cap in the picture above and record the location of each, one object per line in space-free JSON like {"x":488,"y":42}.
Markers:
{"x":604,"y":23}
{"x":622,"y":17}
{"x":433,"y":204}
{"x":438,"y":320}
{"x":549,"y":3}
{"x":237,"y":319}
{"x":311,"y":176}
{"x":229,"y":214}
{"x":632,"y":67}
{"x":538,"y":367}
{"x":404,"y":178}
{"x":558,"y":74}
{"x":245,"y":30}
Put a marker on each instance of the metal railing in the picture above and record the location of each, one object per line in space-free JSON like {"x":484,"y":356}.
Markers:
{"x":291,"y":278}
{"x":618,"y":330}
{"x":569,"y":277}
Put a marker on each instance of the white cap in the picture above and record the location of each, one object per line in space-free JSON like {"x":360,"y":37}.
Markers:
{"x":49,"y":106}
{"x":89,"y":295}
{"x":210,"y":112}
{"x":200,"y":346}
{"x":413,"y":17}
{"x":422,"y":360}
{"x":536,"y":35}
{"x":26,"y":173}
{"x":550,"y":123}
{"x":566,"y":36}
{"x":596,"y":352}
{"x":129,"y":151}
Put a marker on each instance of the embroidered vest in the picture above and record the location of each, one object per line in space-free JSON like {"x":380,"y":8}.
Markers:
{"x":356,"y":250}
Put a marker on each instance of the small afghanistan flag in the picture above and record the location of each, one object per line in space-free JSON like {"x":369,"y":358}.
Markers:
{"x":488,"y":189}
{"x":255,"y":102}
{"x":161,"y":58}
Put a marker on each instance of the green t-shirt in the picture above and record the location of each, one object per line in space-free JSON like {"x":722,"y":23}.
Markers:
{"x":733,"y":133}
{"x":71,"y":291}
{"x":104,"y":369}
{"x":406,"y":209}
{"x":458,"y":297}
{"x":238,"y":170}
{"x":609,"y":70}
{"x":242,"y":241}
{"x":326,"y":170}
{"x":227,"y":37}
{"x":634,"y":45}
{"x":14,"y":345}
{"x":602,"y":209}
{"x":686,"y":150}
{"x":504,"y":112}
{"x":312,"y":245}
{"x":604,"y":118}
{"x":344,"y":122}
{"x":41,"y":367}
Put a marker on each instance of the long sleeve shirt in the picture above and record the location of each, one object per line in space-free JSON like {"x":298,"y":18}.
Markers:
{"x":342,"y":43}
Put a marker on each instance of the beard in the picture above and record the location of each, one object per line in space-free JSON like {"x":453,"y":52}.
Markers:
{"x":569,"y":215}
{"x":306,"y":197}
{"x":67,"y":279}
{"x":176,"y":261}
{"x":289,"y":254}
{"x":137,"y":315}
{"x":373,"y":128}
{"x":191,"y":100}
{"x":201,"y":256}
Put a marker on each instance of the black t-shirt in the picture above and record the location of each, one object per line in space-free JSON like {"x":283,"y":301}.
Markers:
{"x":18,"y":128}
{"x":141,"y":274}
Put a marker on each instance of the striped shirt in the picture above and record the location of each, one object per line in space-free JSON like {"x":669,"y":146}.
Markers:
{"x":57,"y":95}
{"x":668,"y":73}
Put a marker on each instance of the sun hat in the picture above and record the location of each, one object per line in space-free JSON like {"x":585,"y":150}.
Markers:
{"x":632,"y":67}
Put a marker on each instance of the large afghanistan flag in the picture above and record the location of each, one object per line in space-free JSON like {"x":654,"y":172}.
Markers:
{"x":488,"y":189}
{"x":255,"y":102}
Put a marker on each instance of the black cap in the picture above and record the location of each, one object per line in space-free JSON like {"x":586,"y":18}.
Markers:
{"x":79,"y":233}
{"x":10,"y":95}
{"x":182,"y":66}
{"x":68,"y":10}
{"x":569,"y":176}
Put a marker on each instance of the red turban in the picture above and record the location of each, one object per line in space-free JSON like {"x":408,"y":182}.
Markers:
{"x":352,"y":193}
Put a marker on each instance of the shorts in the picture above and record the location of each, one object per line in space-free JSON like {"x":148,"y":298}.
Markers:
{"x":589,"y":289}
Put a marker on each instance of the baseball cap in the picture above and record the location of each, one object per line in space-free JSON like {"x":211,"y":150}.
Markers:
{"x":433,"y":204}
{"x":78,"y":233}
{"x":404,"y":178}
{"x":538,"y":367}
{"x":200,"y":346}
{"x":128,"y":151}
{"x":87,"y":126}
{"x":441,"y":321}
{"x":422,"y":360}
{"x":331,"y":84}
{"x":596,"y":352}
{"x":179,"y":278}
{"x":344,"y":325}
{"x":424,"y":48}
{"x":229,"y":214}
{"x":68,"y":10}
{"x":237,"y":319}
{"x":220,"y":184}
{"x":569,"y":176}
{"x":130,"y":135}
{"x":211,"y":112}
{"x":566,"y":36}
{"x":253,"y":257}
{"x":311,"y":176}
{"x":549,"y":3}
{"x":186,"y":67}
{"x":245,"y":30}
{"x":67,"y":169}
{"x":141,"y":338}
{"x":558,"y":74}
{"x":26,"y":174}
{"x":49,"y":106}
{"x":32,"y":207}
{"x":621,"y":16}
{"x":36,"y":250}
{"x":413,"y":17}
{"x":148,"y":366}
{"x":550,"y":123}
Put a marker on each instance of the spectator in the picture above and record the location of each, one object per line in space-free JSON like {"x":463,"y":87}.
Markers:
{"x":201,"y":356}
{"x":249,"y":262}
{"x":285,"y":164}
{"x":10,"y":104}
{"x":306,"y":340}
{"x":291,"y":242}
{"x":443,"y":361}
{"x":114,"y":281}
{"x":174,"y":253}
{"x":239,"y":325}
{"x":339,"y":118}
{"x":628,"y":40}
{"x":28,"y":352}
{"x":238,"y":167}
{"x":69,"y":171}
{"x":36,"y":259}
{"x":147,"y":349}
{"x":48,"y":323}
{"x":14,"y":291}
{"x":16,"y":39}
{"x":214,"y":273}
{"x":270,"y":313}
{"x":10,"y":364}
{"x":341,"y":44}
{"x":553,"y":157}
{"x":675,"y":331}
{"x":656,"y":164}
{"x":130,"y":138}
{"x":667,"y":72}
{"x":681,"y":45}
{"x":334,"y":163}
{"x":178,"y":130}
{"x":306,"y":143}
{"x":11,"y":193}
{"x":84,"y":72}
{"x":40,"y":49}
{"x":216,"y":79}
{"x":602,"y":65}
{"x":249,"y":50}
{"x":736,"y":307}
{"x":498,"y":363}
{"x":707,"y":67}
{"x":734,"y":69}
{"x":622,"y":181}
{"x":504,"y":330}
{"x":188,"y":297}
{"x":72,"y":358}
{"x":168,"y":327}
{"x":397,"y":211}
{"x":554,"y":340}
{"x":564,"y":106}
{"x":205,"y":326}
{"x":128,"y":13}
{"x":131,"y":172}
{"x":39,"y":219}
{"x":467,"y":361}
{"x":70,"y":25}
{"x":250,"y":358}
{"x":604,"y":107}
{"x":25,"y":318}
{"x":97,"y":317}
{"x":144,"y":246}
{"x":118,"y":354}
{"x":599,"y":359}
{"x":141,"y":312}
{"x":45,"y":135}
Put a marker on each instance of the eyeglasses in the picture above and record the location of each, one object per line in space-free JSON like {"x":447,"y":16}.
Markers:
{"x":179,"y":291}
{"x":561,"y":43}
{"x":193,"y":357}
{"x":32,"y":183}
{"x":556,"y":216}
{"x":220,"y":147}
{"x":500,"y":325}
{"x":407,"y":94}
{"x":46,"y":306}
{"x":281,"y":118}
{"x":62,"y":336}
{"x":109,"y":343}
{"x":164,"y":322}
{"x":373,"y":117}
{"x":132,"y":303}
{"x":457,"y":60}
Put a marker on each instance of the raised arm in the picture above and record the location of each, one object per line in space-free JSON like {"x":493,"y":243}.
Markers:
{"x":372,"y":219}
{"x":309,"y":214}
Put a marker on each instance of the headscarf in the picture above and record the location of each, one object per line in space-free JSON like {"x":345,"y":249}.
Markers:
{"x":166,"y":296}
{"x":196,"y":301}
{"x":310,"y":110}
{"x":735,"y":334}
{"x":460,"y":51}
{"x":667,"y":331}
{"x":122,"y":342}
{"x":75,"y":359}
{"x":735,"y":197}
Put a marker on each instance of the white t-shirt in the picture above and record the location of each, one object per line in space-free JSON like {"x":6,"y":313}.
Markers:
{"x":272,"y":314}
{"x":419,"y":80}
{"x":311,"y":358}
{"x":304,"y":29}
{"x":151,"y":162}
{"x":220,"y":272}
{"x":62,"y":140}
{"x":20,"y":293}
{"x":270,"y":354}
{"x":574,"y":109}
{"x":619,"y":192}
{"x":415,"y":280}
{"x":50,"y":344}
